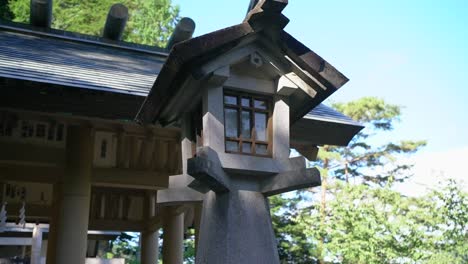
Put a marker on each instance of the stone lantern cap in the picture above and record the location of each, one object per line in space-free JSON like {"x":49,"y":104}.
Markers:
{"x":172,"y":93}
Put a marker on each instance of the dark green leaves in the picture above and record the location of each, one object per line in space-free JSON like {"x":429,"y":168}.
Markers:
{"x":374,"y":163}
{"x":5,"y":12}
{"x":151,"y":22}
{"x":375,"y":225}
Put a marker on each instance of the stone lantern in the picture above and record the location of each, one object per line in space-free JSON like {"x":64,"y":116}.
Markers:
{"x":235,"y":93}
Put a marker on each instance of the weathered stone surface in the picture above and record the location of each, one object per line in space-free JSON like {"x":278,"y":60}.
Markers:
{"x":236,"y":228}
{"x":239,"y":164}
{"x":281,"y":130}
{"x":198,"y":186}
{"x":179,"y":192}
{"x":236,"y":225}
{"x":291,"y":180}
{"x":210,"y":173}
{"x":174,"y":196}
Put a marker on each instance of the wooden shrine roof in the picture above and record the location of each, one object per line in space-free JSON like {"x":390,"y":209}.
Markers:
{"x":76,"y":62}
{"x":70,"y":60}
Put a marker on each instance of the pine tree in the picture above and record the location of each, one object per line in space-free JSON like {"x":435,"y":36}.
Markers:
{"x":5,"y":12}
{"x":371,"y":164}
{"x":150,"y":22}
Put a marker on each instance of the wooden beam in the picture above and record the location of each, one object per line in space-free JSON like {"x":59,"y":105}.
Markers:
{"x":102,"y":236}
{"x":229,"y":58}
{"x":15,"y":241}
{"x":127,"y":178}
{"x":32,"y":210}
{"x":154,"y":223}
{"x":286,"y":87}
{"x":220,"y":76}
{"x":301,"y":84}
{"x":130,"y":178}
{"x":134,"y":151}
{"x":100,"y":124}
{"x":161,"y":157}
{"x":116,"y":225}
{"x":148,"y":152}
{"x":39,"y":174}
{"x":249,"y":83}
{"x":121,"y":149}
{"x":174,"y":157}
{"x":31,"y":153}
{"x":308,"y":60}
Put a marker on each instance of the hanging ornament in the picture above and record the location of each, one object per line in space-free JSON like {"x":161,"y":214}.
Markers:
{"x":3,"y":218}
{"x":22,"y":216}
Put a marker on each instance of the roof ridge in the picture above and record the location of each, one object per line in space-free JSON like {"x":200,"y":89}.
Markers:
{"x":80,"y":38}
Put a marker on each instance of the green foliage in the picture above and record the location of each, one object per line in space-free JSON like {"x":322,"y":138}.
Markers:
{"x":368,"y":222}
{"x":125,"y":246}
{"x":371,"y":111}
{"x":375,"y":225}
{"x":447,"y":220}
{"x":372,"y":163}
{"x":5,"y":12}
{"x":356,"y":228}
{"x":150,"y":22}
{"x":294,"y":245}
{"x":189,"y":245}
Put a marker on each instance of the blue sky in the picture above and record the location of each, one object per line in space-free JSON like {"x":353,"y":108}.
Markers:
{"x":411,"y":53}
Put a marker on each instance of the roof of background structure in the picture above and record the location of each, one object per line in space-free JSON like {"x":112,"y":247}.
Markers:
{"x":324,"y":126}
{"x":328,"y":114}
{"x":74,"y":62}
{"x":90,"y":63}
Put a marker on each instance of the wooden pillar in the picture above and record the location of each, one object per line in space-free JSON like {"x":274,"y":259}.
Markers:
{"x":173,"y":236}
{"x":23,"y":251}
{"x":149,"y":247}
{"x":149,"y":239}
{"x":36,"y":245}
{"x":187,"y":140}
{"x":73,"y":217}
{"x":53,"y":224}
{"x":197,"y":221}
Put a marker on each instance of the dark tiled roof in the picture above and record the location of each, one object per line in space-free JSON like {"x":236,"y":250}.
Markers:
{"x":328,"y":114}
{"x":324,"y":126}
{"x":89,"y":64}
{"x":82,"y":64}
